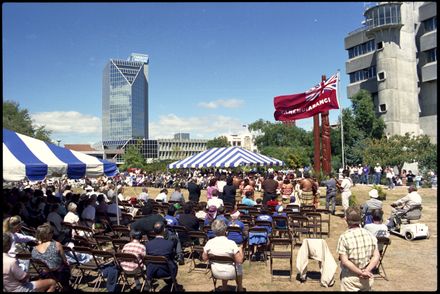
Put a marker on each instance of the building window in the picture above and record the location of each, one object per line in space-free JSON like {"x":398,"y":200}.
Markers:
{"x":363,"y":74}
{"x":431,"y":55}
{"x":381,"y":76}
{"x":382,"y":108}
{"x":361,"y":49}
{"x":379,"y":46}
{"x":430,"y":24}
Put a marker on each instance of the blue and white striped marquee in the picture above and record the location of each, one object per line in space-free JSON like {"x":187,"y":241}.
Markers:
{"x":26,"y":157}
{"x":225,"y":157}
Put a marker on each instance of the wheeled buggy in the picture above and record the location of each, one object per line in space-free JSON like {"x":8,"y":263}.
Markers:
{"x":404,"y":228}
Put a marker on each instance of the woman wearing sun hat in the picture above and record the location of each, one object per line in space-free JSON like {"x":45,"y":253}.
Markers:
{"x":370,"y":205}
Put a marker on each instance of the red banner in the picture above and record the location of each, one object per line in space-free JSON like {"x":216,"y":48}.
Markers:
{"x":318,"y":99}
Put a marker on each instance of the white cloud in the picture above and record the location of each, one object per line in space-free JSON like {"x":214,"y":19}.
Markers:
{"x":68,"y":122}
{"x":228,"y":103}
{"x":202,"y":127}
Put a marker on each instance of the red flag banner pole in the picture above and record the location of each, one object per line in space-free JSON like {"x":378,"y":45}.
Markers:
{"x":317,"y":145}
{"x":326,"y":146}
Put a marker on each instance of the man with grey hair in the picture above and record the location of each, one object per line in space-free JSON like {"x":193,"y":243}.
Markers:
{"x":222,"y":246}
{"x":358,"y":253}
{"x":143,"y":196}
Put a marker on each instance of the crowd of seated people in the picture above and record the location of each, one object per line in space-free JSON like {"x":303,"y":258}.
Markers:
{"x":160,"y":227}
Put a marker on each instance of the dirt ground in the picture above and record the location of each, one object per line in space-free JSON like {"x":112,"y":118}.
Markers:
{"x":410,"y":265}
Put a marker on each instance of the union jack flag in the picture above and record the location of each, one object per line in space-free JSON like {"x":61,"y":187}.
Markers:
{"x":328,"y":85}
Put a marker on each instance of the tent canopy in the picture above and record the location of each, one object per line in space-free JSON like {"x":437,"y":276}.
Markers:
{"x":24,"y":156}
{"x":225,"y":157}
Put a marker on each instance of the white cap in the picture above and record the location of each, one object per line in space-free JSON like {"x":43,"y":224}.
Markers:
{"x":373,"y":193}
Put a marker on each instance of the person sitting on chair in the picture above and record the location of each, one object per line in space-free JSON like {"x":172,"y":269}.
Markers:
{"x":17,"y":280}
{"x":160,"y":246}
{"x":377,"y":228}
{"x":222,"y":246}
{"x":370,"y":205}
{"x":404,"y":205}
{"x":137,"y":248}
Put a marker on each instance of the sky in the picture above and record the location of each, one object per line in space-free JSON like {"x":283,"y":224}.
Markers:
{"x":213,"y":67}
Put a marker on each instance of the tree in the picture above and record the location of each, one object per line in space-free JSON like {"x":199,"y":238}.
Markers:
{"x":221,"y":141}
{"x":360,"y":125}
{"x":19,"y":120}
{"x":290,"y":144}
{"x":133,"y":157}
{"x":396,"y":150}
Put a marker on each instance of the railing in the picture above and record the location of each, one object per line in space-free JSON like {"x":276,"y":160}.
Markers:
{"x":363,"y":28}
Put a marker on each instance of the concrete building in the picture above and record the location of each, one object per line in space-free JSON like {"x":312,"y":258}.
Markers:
{"x":394,"y":57}
{"x":125,"y":99}
{"x":177,"y":148}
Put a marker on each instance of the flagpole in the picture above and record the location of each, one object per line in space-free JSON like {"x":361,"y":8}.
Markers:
{"x":342,"y":126}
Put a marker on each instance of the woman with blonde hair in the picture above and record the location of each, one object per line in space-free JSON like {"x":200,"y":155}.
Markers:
{"x":13,"y":225}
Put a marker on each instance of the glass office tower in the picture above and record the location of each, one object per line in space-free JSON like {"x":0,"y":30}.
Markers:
{"x":125,"y":99}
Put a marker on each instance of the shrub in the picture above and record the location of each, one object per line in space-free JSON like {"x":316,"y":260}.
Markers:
{"x":352,"y":201}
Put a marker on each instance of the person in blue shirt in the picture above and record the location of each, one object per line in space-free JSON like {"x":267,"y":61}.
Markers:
{"x":237,"y":237}
{"x":249,"y":199}
{"x":221,"y":215}
{"x":170,"y":219}
{"x":279,"y":212}
{"x":210,"y":217}
{"x":264,"y":216}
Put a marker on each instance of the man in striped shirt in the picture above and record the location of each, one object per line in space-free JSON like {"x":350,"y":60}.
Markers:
{"x":358,"y":253}
{"x":137,"y":248}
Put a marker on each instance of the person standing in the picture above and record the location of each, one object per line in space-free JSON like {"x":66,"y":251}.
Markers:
{"x":330,"y":198}
{"x":194,"y":190}
{"x":229,"y":191}
{"x":365,"y":174}
{"x":270,"y":187}
{"x":377,"y":174}
{"x":358,"y":253}
{"x":346,"y":185}
{"x":390,"y":175}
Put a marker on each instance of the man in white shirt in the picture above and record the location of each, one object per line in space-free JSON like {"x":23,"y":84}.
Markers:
{"x":162,"y":196}
{"x":144,"y":194}
{"x":346,"y":185}
{"x":215,"y":201}
{"x":404,"y":204}
{"x":377,"y":173}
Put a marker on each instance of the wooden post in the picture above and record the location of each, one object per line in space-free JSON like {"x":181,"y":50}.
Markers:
{"x":326,"y":147}
{"x":317,"y":145}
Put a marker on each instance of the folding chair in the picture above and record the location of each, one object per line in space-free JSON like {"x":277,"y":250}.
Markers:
{"x":299,"y":226}
{"x":28,"y":231}
{"x":280,"y":226}
{"x":119,"y":244}
{"x":223,"y":260}
{"x":44,"y":272}
{"x":26,"y":256}
{"x":266,"y":224}
{"x":259,"y":233}
{"x":385,"y":242}
{"x":315,"y":224}
{"x":307,"y":208}
{"x":99,"y":260}
{"x":281,"y":254}
{"x":199,"y":240}
{"x":238,"y":230}
{"x":150,"y":259}
{"x":293,"y":208}
{"x":103,"y":242}
{"x":74,"y":265}
{"x":139,"y":272}
{"x":325,"y":220}
{"x":121,"y":232}
{"x":85,"y":232}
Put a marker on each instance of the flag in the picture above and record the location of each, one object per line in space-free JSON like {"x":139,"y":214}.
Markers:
{"x":320,"y":98}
